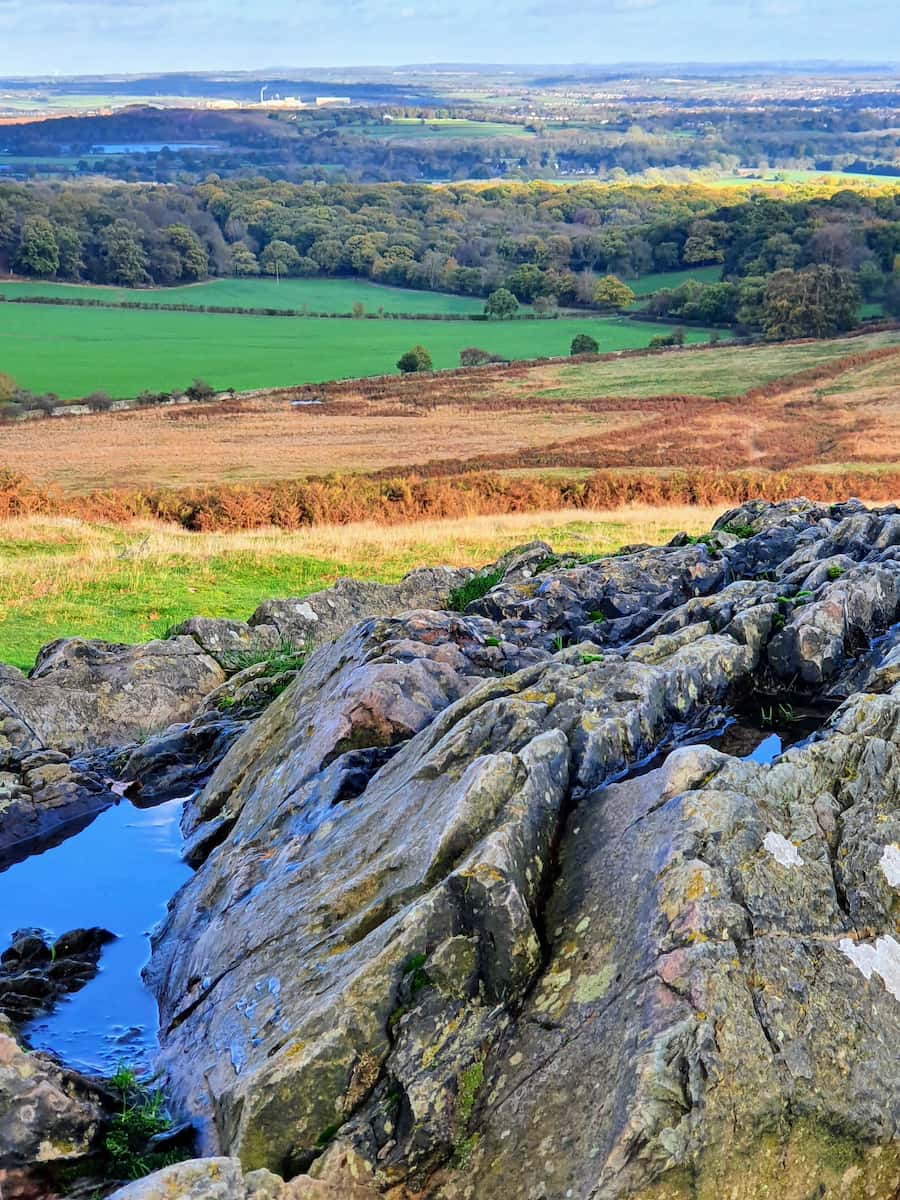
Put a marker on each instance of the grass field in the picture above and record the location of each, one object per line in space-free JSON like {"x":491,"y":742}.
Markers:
{"x":648,"y":284}
{"x":778,"y":176}
{"x":730,"y":371}
{"x":74,"y":351}
{"x":648,"y":412}
{"x":318,"y":295}
{"x":403,"y":129}
{"x":60,"y":578}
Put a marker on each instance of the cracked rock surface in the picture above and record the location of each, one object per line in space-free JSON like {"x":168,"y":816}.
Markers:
{"x":481,"y":912}
{"x":446,"y":930}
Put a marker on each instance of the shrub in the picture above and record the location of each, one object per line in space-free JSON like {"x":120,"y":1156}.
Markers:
{"x":416,"y":359}
{"x":471,"y":356}
{"x":200,"y":390}
{"x":99,"y":402}
{"x":583,"y":343}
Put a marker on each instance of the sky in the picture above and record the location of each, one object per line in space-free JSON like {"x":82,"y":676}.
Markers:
{"x":71,"y":37}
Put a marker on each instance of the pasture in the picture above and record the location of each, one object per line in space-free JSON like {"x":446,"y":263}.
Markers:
{"x":675,"y":410}
{"x":316,"y":295}
{"x":75,"y":351}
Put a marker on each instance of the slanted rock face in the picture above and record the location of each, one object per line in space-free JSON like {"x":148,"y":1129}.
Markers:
{"x":445,"y":939}
{"x":486,"y":969}
{"x":83,"y":694}
{"x":721,"y":1001}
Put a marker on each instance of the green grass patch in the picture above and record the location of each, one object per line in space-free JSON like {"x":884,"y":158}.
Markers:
{"x":52,"y":587}
{"x":729,"y":371}
{"x":648,"y":284}
{"x":317,"y":295}
{"x":460,"y":598}
{"x":75,"y":351}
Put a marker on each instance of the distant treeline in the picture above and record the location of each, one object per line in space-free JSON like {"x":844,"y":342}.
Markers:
{"x":542,"y":242}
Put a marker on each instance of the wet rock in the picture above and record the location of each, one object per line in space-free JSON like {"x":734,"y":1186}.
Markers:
{"x":720,"y":995}
{"x":375,"y":687}
{"x":83,"y":694}
{"x":35,"y":973}
{"x":835,"y":623}
{"x":180,"y":760}
{"x":450,"y":839}
{"x":43,"y":797}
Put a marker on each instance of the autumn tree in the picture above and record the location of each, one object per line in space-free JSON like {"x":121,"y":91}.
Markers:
{"x":818,"y":301}
{"x":612,"y":294}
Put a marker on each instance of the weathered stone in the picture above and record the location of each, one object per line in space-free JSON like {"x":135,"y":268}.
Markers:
{"x":48,"y":1116}
{"x":229,"y":642}
{"x":35,"y":973}
{"x":324,"y":615}
{"x":83,"y":694}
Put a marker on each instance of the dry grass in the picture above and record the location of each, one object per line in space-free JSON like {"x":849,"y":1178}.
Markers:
{"x":770,"y":407}
{"x":63,"y":576}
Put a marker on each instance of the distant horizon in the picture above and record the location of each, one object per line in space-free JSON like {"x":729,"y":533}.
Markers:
{"x":75,"y":38}
{"x":814,"y":66}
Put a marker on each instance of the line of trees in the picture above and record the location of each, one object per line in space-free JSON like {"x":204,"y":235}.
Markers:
{"x":540,"y":244}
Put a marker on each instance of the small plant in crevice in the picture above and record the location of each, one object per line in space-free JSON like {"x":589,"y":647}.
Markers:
{"x":587,"y":659}
{"x":834,"y":572}
{"x":473,"y":589}
{"x":736,"y":529}
{"x":596,"y":617}
{"x":140,"y":1116}
{"x":414,"y":979}
{"x":283,"y":657}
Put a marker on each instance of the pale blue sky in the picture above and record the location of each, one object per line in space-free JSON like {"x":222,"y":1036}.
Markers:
{"x":86,"y":36}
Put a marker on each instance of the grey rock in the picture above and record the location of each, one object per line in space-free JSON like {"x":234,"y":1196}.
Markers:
{"x":325,"y":615}
{"x":48,"y":1116}
{"x":83,"y":694}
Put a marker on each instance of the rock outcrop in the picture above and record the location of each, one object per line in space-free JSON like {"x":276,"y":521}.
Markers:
{"x":441,"y":926}
{"x":83,"y":694}
{"x":480,"y":910}
{"x":48,"y":1117}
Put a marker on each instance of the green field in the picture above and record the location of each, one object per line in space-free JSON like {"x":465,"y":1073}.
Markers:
{"x":648,"y":284}
{"x":408,"y":128}
{"x":74,"y":351}
{"x":318,"y":295}
{"x":728,"y":372}
{"x":777,"y":176}
{"x":131,"y":584}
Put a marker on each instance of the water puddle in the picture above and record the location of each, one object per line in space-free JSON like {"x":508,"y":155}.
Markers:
{"x":119,"y":873}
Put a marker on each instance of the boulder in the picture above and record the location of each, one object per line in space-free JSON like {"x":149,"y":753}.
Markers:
{"x":325,"y":615}
{"x":82,"y":694}
{"x":48,"y":1117}
{"x":46,"y":796}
